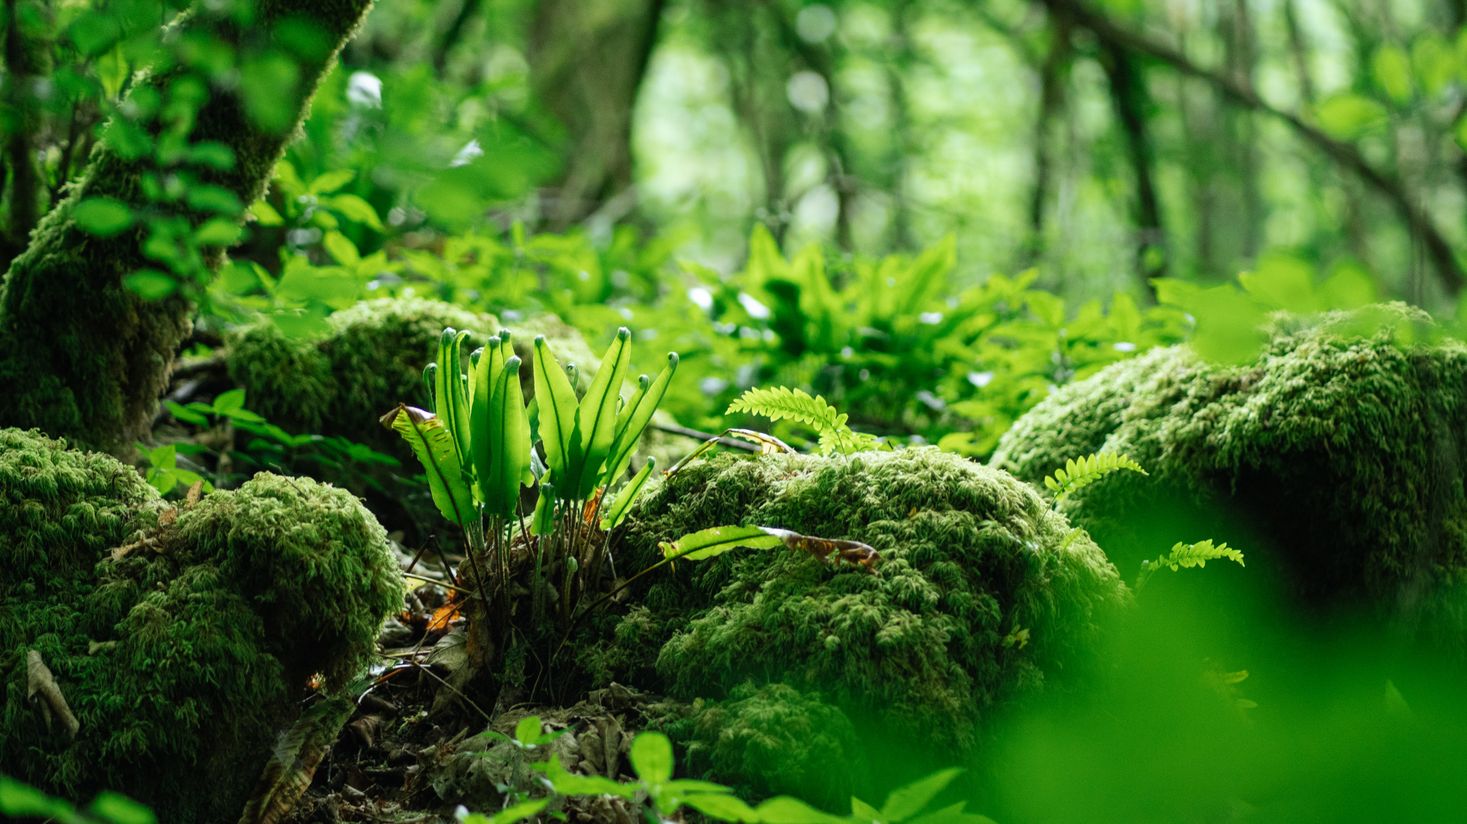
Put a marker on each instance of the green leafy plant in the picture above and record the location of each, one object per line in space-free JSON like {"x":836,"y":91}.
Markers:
{"x":479,"y":449}
{"x":1079,"y":473}
{"x":1188,"y":556}
{"x":782,"y":403}
{"x":20,"y":800}
{"x":660,"y":796}
{"x":265,"y":446}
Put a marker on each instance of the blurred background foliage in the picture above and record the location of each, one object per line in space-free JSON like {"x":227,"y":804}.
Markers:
{"x":930,"y":211}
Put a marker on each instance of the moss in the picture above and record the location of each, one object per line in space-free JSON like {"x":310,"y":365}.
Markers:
{"x":1335,"y":456}
{"x":769,"y":740}
{"x":983,"y":593}
{"x":184,"y":655}
{"x":80,"y":355}
{"x":371,"y":359}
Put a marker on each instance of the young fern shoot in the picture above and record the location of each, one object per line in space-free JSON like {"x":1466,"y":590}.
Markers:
{"x":1082,"y":472}
{"x":782,"y":403}
{"x":1188,"y":556}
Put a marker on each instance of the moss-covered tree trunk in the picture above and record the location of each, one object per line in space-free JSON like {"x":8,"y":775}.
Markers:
{"x":81,"y":355}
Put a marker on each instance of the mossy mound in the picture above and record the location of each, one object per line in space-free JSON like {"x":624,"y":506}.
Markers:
{"x":769,"y":740}
{"x":1334,"y":460}
{"x":370,"y":360}
{"x":181,"y":638}
{"x":982,"y":593}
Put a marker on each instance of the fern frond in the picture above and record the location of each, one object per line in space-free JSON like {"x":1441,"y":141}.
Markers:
{"x":1082,"y":472}
{"x":1188,"y":556}
{"x":781,"y":402}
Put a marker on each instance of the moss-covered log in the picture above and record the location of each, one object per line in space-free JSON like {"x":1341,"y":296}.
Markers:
{"x":181,"y":639}
{"x":983,"y":593}
{"x":82,"y":356}
{"x":1334,"y":460}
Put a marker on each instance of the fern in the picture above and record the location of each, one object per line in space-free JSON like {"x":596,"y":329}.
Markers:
{"x":782,"y":403}
{"x":1188,"y":556}
{"x":1082,"y":472}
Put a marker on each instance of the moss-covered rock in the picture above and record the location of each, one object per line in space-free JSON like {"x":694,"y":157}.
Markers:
{"x":982,"y":593}
{"x":371,"y":359}
{"x":181,"y":638}
{"x":1334,"y":460}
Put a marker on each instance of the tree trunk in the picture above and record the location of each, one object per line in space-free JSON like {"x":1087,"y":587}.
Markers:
{"x":83,"y":357}
{"x":587,"y":61}
{"x":27,"y":64}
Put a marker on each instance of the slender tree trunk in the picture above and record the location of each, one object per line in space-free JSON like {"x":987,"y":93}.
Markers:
{"x":81,"y":356}
{"x":27,"y":63}
{"x":1129,"y":98}
{"x":444,"y":44}
{"x":587,"y":62}
{"x":1053,"y":75}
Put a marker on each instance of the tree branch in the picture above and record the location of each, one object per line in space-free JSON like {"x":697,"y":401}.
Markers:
{"x":1346,"y":155}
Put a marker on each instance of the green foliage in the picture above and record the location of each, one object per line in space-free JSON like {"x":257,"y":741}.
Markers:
{"x":479,"y":451}
{"x":662,"y":796}
{"x":1327,"y":455}
{"x":224,"y":607}
{"x":1188,"y":556}
{"x":23,"y":801}
{"x":1078,"y":474}
{"x":256,"y":444}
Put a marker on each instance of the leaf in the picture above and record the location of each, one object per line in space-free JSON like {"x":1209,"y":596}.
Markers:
{"x":103,"y":216}
{"x":450,"y":391}
{"x":356,"y":209}
{"x":852,"y":552}
{"x":509,"y":433}
{"x":710,"y":543}
{"x":231,"y":400}
{"x":1078,"y":474}
{"x":633,"y":420}
{"x":1347,"y":116}
{"x":217,"y":232}
{"x":621,"y":505}
{"x":183,"y":414}
{"x":568,"y":783}
{"x":341,"y":249}
{"x":651,"y":757}
{"x":517,"y":812}
{"x":434,"y":447}
{"x":596,"y":420}
{"x":331,"y":181}
{"x":527,"y":731}
{"x":150,"y":284}
{"x":1189,"y":556}
{"x":785,"y":810}
{"x":265,"y":214}
{"x":542,"y":522}
{"x":911,"y":799}
{"x":780,"y":402}
{"x":721,"y":807}
{"x":557,"y":401}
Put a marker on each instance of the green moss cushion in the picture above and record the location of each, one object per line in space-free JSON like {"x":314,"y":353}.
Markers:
{"x":370,"y":360}
{"x":180,"y":638}
{"x":982,"y":593}
{"x":1334,"y":460}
